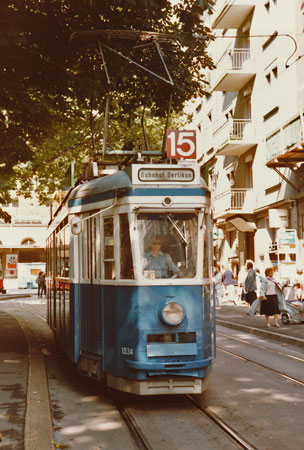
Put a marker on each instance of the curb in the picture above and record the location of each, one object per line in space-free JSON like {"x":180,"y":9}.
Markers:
{"x":267,"y":334}
{"x":12,"y":296}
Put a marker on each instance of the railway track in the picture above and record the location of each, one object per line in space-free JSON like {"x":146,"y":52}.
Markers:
{"x":230,"y":432}
{"x":142,"y":441}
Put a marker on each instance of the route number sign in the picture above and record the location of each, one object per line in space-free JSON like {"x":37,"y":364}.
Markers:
{"x":181,"y":144}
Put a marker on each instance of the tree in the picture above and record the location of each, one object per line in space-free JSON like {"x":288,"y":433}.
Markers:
{"x":53,"y":90}
{"x":47,"y":172}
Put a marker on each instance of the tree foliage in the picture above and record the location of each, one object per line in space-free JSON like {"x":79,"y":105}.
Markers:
{"x":53,"y":89}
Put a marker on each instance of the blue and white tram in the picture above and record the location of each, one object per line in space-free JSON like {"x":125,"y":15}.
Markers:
{"x":129,"y":260}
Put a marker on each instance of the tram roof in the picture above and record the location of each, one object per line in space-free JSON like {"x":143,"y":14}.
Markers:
{"x":107,"y":183}
{"x":130,"y":176}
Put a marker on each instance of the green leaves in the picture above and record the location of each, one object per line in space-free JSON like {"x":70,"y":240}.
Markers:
{"x":52,"y":90}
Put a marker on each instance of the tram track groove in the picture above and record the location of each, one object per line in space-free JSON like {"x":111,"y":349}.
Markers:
{"x":289,"y":378}
{"x":253,"y":344}
{"x":223,"y":426}
{"x":135,"y":431}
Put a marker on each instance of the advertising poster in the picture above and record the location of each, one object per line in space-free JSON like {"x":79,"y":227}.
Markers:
{"x":11,"y":265}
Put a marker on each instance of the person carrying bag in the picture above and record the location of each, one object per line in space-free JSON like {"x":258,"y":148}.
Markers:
{"x":272,"y":298}
{"x":250,"y":284}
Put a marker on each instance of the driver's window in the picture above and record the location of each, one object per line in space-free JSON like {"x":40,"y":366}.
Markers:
{"x":168,"y":244}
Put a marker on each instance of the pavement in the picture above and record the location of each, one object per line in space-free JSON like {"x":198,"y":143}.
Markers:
{"x":18,"y":293}
{"x":236,"y":317}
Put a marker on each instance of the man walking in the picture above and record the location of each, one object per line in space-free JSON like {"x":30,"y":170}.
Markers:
{"x":250,"y":284}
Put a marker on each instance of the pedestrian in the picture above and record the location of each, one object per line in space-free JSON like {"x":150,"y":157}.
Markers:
{"x":299,"y":284}
{"x":219,"y":289}
{"x":43,"y":284}
{"x":272,"y":298}
{"x":255,"y":306}
{"x":276,"y":274}
{"x":241,"y":282}
{"x":40,"y":280}
{"x":229,"y":282}
{"x":259,"y":279}
{"x":250,"y":284}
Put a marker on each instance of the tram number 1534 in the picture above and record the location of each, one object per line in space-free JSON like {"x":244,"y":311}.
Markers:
{"x":127,"y":351}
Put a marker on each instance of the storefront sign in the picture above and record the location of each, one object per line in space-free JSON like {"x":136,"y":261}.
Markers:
{"x":286,"y":239}
{"x":278,"y":218}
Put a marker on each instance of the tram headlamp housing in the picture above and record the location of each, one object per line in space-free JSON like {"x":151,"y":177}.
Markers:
{"x":171,"y":313}
{"x":167,"y":201}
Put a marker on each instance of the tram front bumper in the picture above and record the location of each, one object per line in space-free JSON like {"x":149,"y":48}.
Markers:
{"x":169,"y":366}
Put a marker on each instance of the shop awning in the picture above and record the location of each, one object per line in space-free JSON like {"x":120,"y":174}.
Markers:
{"x":292,"y":158}
{"x":242,"y":224}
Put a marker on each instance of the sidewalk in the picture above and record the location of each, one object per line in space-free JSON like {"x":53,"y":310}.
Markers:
{"x":233,"y":316}
{"x":18,"y":293}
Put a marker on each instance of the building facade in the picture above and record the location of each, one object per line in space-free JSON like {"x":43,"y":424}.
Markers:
{"x":22,"y":243}
{"x":251,"y":133}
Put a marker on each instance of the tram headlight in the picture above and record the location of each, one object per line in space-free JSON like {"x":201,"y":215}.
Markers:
{"x":171,"y":313}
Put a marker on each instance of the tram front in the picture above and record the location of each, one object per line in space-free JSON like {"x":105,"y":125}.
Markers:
{"x":165,"y":321}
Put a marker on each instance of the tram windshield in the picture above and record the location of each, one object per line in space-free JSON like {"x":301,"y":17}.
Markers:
{"x":168,"y":244}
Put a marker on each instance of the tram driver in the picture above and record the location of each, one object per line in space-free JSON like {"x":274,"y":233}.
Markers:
{"x":158,"y":263}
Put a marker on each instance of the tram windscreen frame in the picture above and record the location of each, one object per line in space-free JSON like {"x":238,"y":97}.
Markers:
{"x":168,"y":244}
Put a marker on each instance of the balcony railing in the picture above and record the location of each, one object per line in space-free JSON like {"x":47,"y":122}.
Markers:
{"x":234,"y":70}
{"x":233,"y":201}
{"x":234,"y":137}
{"x":238,"y":57}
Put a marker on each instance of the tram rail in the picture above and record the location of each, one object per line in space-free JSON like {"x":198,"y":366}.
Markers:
{"x":224,"y":427}
{"x":287,"y":377}
{"x":133,"y":427}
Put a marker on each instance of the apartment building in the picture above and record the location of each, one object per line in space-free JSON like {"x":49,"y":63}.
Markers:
{"x":251,"y":133}
{"x":22,"y":242}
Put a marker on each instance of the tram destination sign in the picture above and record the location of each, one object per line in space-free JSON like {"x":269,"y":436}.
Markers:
{"x":162,"y":174}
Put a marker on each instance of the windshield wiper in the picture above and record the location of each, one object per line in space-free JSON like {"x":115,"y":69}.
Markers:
{"x":178,"y":230}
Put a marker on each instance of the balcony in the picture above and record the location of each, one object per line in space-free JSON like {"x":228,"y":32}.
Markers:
{"x":234,"y":70}
{"x":231,"y":14}
{"x":233,"y":201}
{"x":234,"y":137}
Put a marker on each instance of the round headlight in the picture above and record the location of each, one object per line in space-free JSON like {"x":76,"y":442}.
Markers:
{"x":172,"y":313}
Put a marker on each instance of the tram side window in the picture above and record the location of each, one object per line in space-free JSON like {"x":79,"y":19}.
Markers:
{"x":48,"y":254}
{"x":126,"y":261}
{"x":53,"y":256}
{"x":66,"y":255}
{"x":50,"y":257}
{"x":109,"y":261}
{"x":94,"y":246}
{"x":207,"y":262}
{"x":59,"y":245}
